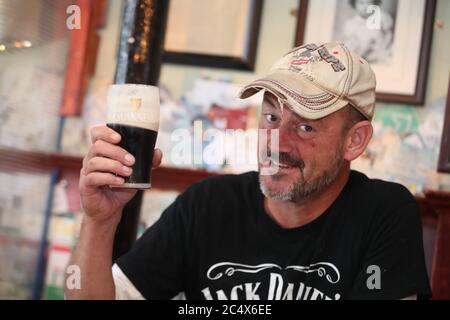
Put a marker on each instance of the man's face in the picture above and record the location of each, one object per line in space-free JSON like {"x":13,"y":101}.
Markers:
{"x":310,"y":152}
{"x":361,"y":7}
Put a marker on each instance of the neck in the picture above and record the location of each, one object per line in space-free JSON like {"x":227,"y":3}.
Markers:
{"x":296,"y":214}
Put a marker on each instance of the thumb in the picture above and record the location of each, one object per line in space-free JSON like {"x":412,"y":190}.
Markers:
{"x":157,"y":158}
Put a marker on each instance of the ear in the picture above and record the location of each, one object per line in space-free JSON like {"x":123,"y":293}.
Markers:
{"x":357,"y":139}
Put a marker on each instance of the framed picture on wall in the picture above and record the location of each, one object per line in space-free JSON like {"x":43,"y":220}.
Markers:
{"x":394,"y":36}
{"x":219,"y":33}
{"x":444,"y":153}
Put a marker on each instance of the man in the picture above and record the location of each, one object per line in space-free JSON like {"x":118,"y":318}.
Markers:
{"x":305,"y":227}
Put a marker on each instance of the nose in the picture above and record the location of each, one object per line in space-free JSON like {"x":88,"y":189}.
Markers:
{"x":286,"y":140}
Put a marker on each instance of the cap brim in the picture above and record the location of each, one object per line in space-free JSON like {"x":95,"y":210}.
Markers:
{"x":300,"y":95}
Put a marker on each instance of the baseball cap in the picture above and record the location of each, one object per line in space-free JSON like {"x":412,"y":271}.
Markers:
{"x":315,"y":80}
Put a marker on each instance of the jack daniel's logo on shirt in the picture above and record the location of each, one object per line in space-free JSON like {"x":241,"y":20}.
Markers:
{"x":278,"y":288}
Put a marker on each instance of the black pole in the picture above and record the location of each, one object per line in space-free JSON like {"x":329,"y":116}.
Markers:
{"x":139,"y":62}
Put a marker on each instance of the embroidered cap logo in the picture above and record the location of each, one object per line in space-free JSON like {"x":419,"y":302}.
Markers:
{"x":310,"y":55}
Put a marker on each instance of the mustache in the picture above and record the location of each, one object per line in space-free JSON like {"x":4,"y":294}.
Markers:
{"x":286,"y":159}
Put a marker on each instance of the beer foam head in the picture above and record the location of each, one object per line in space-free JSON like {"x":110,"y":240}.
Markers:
{"x":134,"y":105}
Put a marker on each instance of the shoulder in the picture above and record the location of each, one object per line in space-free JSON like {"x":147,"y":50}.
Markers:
{"x":377,"y":191}
{"x":382,"y":204}
{"x":390,"y":237}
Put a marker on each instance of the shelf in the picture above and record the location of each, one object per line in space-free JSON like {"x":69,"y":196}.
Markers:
{"x":166,"y":178}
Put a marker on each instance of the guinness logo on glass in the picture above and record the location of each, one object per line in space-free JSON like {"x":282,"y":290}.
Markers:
{"x":136,"y":103}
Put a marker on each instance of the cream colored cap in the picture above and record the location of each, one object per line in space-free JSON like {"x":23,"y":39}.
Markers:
{"x":315,"y":80}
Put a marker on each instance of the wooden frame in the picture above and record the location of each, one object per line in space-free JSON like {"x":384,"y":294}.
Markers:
{"x":418,"y":96}
{"x":439,"y":202}
{"x":245,"y":61}
{"x":444,"y":153}
{"x":82,"y":57}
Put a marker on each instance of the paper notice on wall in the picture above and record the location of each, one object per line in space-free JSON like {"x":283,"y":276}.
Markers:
{"x":31,"y":87}
{"x":58,"y":260}
{"x":60,"y":202}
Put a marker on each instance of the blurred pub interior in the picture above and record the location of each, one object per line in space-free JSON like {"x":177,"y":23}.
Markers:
{"x":53,"y":81}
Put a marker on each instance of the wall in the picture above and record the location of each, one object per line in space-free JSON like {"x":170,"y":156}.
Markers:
{"x":398,"y":128}
{"x":276,"y":36}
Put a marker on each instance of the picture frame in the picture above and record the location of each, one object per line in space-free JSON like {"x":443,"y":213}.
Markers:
{"x":444,"y":152}
{"x":393,"y":36}
{"x":218,"y":34}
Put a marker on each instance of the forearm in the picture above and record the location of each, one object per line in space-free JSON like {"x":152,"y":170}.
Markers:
{"x":93,"y":257}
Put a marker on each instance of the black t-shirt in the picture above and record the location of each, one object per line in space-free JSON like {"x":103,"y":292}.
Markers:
{"x":217,"y":242}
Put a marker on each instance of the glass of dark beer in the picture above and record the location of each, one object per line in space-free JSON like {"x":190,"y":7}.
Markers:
{"x":133,"y":112}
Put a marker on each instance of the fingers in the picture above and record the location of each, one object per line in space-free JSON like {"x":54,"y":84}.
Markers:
{"x":157,"y":158}
{"x":97,"y":179}
{"x":101,"y":164}
{"x":102,"y":148}
{"x":105,"y":160}
{"x":104,"y":133}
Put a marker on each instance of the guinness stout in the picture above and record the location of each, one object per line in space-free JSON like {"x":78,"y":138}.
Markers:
{"x":133,"y":112}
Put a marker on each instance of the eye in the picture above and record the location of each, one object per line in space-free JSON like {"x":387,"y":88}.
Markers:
{"x":271,"y":118}
{"x":305,"y":128}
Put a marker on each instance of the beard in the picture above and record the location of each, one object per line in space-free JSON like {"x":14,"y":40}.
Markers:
{"x":302,"y":189}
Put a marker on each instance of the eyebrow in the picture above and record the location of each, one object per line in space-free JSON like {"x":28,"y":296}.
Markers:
{"x":272,"y":102}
